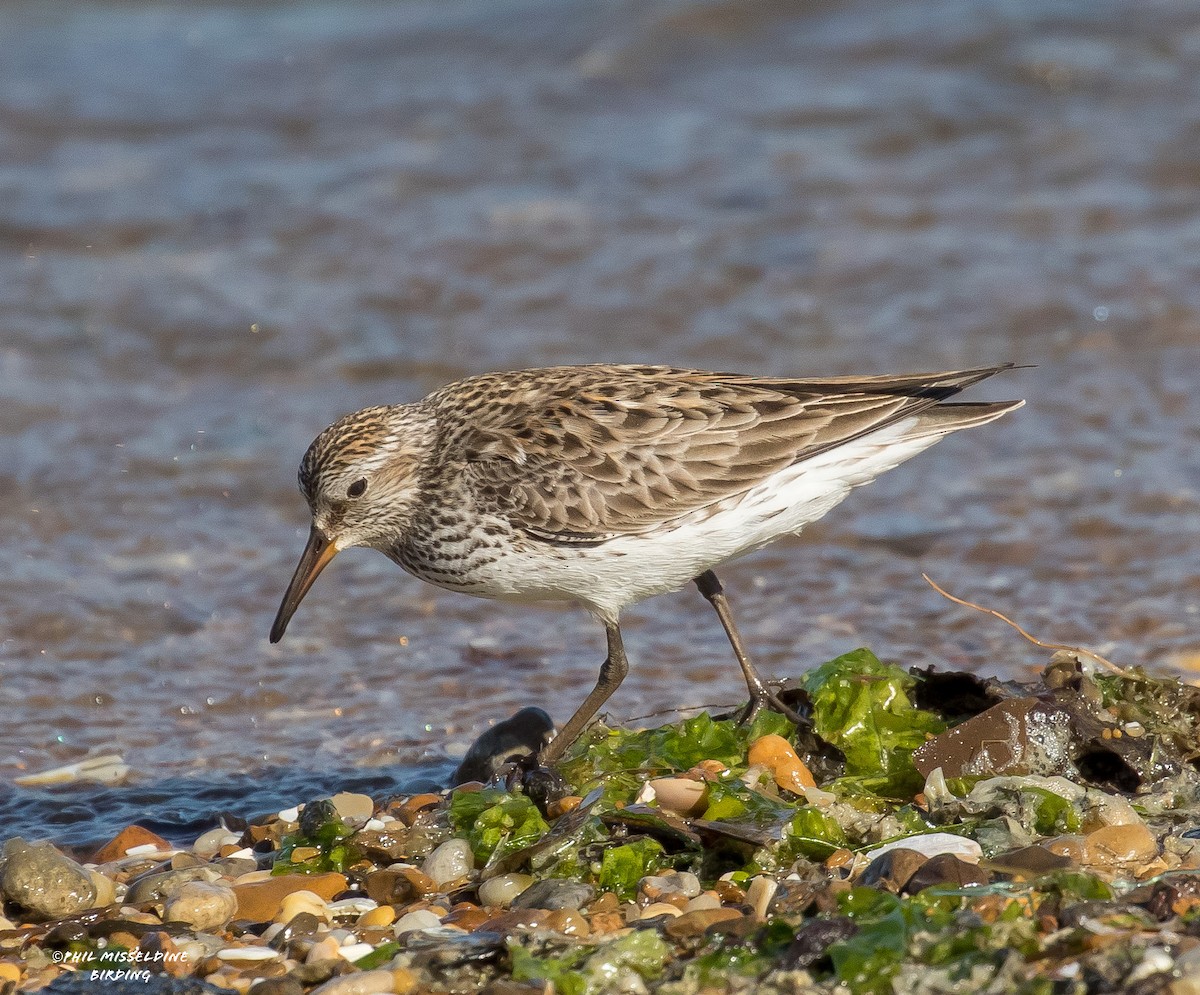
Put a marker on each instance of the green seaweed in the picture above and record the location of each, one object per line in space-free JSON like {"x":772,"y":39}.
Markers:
{"x":495,"y":821}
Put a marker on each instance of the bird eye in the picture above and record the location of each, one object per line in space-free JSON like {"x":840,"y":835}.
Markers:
{"x":358,"y":488}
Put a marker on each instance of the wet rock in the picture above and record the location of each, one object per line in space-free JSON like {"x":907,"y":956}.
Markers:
{"x":522,"y":735}
{"x":130,"y":838}
{"x":1112,"y":846}
{"x":286,"y":985}
{"x":157,"y":886}
{"x":815,"y":937}
{"x":555,"y":893}
{"x":696,"y":923}
{"x":946,"y":869}
{"x":399,"y":885}
{"x":416,"y":920}
{"x":502,"y":890}
{"x":259,"y":901}
{"x":681,"y":795}
{"x":353,"y":808}
{"x":203,"y":906}
{"x":451,"y":861}
{"x":776,"y":754}
{"x":358,"y":983}
{"x":302,"y":902}
{"x":1031,"y":861}
{"x":892,"y":869}
{"x":931,"y":844}
{"x":759,"y":895}
{"x":656,"y":909}
{"x":683,"y":883}
{"x":1016,"y":736}
{"x":39,"y":878}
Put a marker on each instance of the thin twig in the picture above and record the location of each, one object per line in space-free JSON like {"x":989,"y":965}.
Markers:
{"x":1033,"y":639}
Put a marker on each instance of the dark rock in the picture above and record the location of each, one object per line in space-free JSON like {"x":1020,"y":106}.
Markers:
{"x":814,"y":938}
{"x":892,"y":870}
{"x":315,"y":815}
{"x":157,"y":886}
{"x":1030,"y":861}
{"x":520,"y":736}
{"x":555,"y":893}
{"x":286,"y":985}
{"x":1017,"y":736}
{"x":947,"y":869}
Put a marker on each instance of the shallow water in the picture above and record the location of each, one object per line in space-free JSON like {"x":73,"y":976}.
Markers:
{"x":226,"y":225}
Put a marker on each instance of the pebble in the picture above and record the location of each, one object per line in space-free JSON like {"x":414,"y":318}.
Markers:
{"x":500,"y":891}
{"x":1113,"y":845}
{"x":381,"y":915}
{"x":760,"y":893}
{"x":681,"y":795}
{"x":247,"y":954}
{"x":298,"y":902}
{"x":259,"y":901}
{"x":39,"y":878}
{"x":931,"y":844}
{"x":677,"y":882}
{"x":159,"y":886}
{"x":398,"y":885}
{"x":656,"y":909}
{"x":555,"y":893}
{"x":696,"y":923}
{"x":202,"y":905}
{"x":451,"y":861}
{"x":354,"y":951}
{"x":325,"y":949}
{"x":776,"y":754}
{"x":418,"y":919}
{"x":353,"y":807}
{"x":703,"y":902}
{"x":128,"y":842}
{"x":9,"y":972}
{"x":210,"y":843}
{"x":106,"y":889}
{"x":359,"y":983}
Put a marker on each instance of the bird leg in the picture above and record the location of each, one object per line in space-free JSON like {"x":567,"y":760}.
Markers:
{"x":612,"y":672}
{"x":760,"y":694}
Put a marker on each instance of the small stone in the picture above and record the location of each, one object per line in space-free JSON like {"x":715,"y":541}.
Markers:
{"x":760,"y":893}
{"x":1114,"y":845}
{"x":398,"y":885}
{"x":418,"y":919}
{"x":354,"y":951}
{"x":696,"y":922}
{"x":569,"y":922}
{"x":353,"y":807}
{"x":9,"y":972}
{"x":383,"y":915}
{"x":259,"y":901}
{"x":681,"y":795}
{"x":555,"y":893}
{"x":158,"y":886}
{"x":39,"y":878}
{"x":500,"y":892}
{"x":683,"y":883}
{"x":358,"y":983}
{"x":945,"y":869}
{"x":451,"y":861}
{"x":414,"y":806}
{"x":106,"y":889}
{"x":467,"y":916}
{"x":326,"y":949}
{"x":656,"y":909}
{"x":703,"y":902}
{"x":204,"y":906}
{"x":129,"y":838}
{"x":776,"y":754}
{"x":279,"y":986}
{"x":251,"y":954}
{"x":517,"y":921}
{"x":931,"y":844}
{"x":300,"y":902}
{"x":561,"y":806}
{"x":892,"y":869}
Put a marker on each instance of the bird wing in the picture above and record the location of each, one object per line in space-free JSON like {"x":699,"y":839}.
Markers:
{"x":574,"y":455}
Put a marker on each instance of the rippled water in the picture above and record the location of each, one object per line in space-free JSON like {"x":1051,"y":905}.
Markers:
{"x":223,"y":226}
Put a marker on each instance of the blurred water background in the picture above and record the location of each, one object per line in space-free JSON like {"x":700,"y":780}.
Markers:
{"x":224,"y":225}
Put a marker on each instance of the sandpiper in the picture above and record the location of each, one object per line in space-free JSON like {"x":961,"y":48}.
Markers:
{"x":608,"y":484}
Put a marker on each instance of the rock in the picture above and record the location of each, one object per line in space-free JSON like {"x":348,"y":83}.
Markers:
{"x":892,"y":869}
{"x":520,"y":736}
{"x":451,"y":861}
{"x":286,"y":985}
{"x":303,"y":902}
{"x":359,"y":983}
{"x":683,"y":883}
{"x":259,"y":901}
{"x":157,"y":886}
{"x":696,"y":922}
{"x":106,"y":889}
{"x":931,"y":844}
{"x":680,"y":795}
{"x":760,"y":893}
{"x":204,"y":906}
{"x":569,"y":922}
{"x":129,"y":838}
{"x":555,"y":893}
{"x":39,"y":878}
{"x":353,"y":808}
{"x":945,"y":868}
{"x":418,"y":919}
{"x":1114,"y":845}
{"x":776,"y":754}
{"x":517,"y":921}
{"x":656,"y":909}
{"x":1016,"y":736}
{"x":383,"y":915}
{"x":501,"y":891}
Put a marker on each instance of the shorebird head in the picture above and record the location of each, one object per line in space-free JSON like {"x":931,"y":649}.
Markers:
{"x":361,"y":479}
